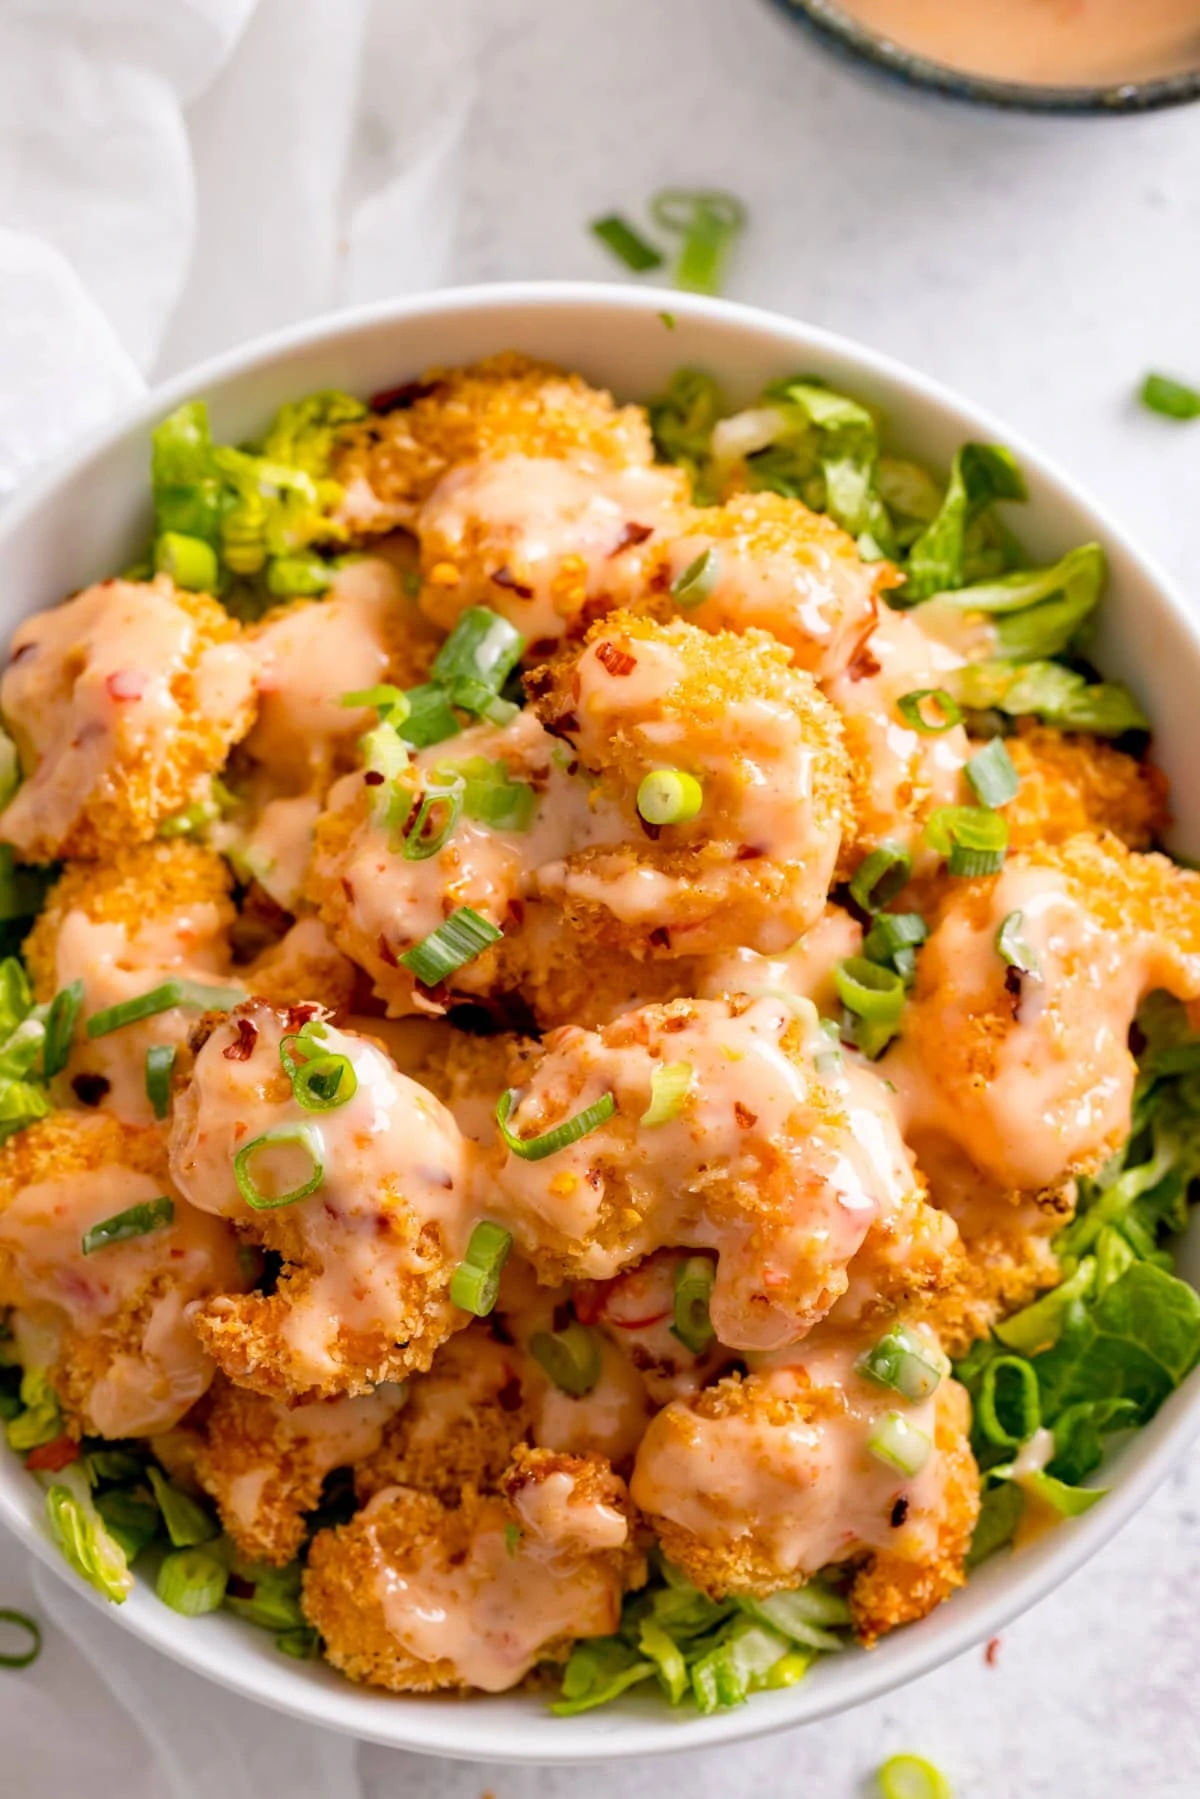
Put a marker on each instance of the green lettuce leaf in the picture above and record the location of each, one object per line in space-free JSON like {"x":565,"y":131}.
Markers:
{"x":979,"y":475}
{"x":84,"y":1538}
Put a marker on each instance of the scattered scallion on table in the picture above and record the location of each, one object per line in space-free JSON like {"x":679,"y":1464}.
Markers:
{"x":1170,"y":399}
{"x":626,"y":244}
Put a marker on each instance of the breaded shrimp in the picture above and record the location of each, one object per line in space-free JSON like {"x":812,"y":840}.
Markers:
{"x":773,"y":565}
{"x":1031,"y":1075}
{"x":1072,"y":783}
{"x":752,"y":867}
{"x":123,"y":701}
{"x":263,"y":1464}
{"x":155,"y":912}
{"x":303,"y":966}
{"x":635,"y":1312}
{"x":755,"y":1484}
{"x":783,"y":1172}
{"x":369,"y":1249}
{"x":505,"y":405}
{"x":415,"y":1597}
{"x":551,"y":543}
{"x":469,"y":1074}
{"x":128,"y":1362}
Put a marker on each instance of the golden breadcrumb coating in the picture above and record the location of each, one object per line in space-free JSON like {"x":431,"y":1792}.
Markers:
{"x":521,"y":1577}
{"x":127,"y":1362}
{"x":1073,"y":783}
{"x":303,"y":966}
{"x":102,"y":772}
{"x":506,"y":404}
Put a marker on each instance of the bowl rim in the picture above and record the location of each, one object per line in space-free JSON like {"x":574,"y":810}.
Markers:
{"x":1113,"y":99}
{"x":494,"y":1733}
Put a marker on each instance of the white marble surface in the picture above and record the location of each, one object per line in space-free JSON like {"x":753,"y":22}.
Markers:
{"x":1040,"y":266}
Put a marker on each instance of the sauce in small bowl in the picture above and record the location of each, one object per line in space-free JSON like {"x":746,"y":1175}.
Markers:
{"x":1055,"y":55}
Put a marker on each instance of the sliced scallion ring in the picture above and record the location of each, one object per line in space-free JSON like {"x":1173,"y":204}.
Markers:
{"x":903,"y":1363}
{"x":972,"y":839}
{"x":571,"y":1357}
{"x":880,"y":876}
{"x":1013,"y":947}
{"x":463,"y":936}
{"x":993,"y":775}
{"x":1008,"y":1405}
{"x":33,"y":1630}
{"x":188,"y":561}
{"x":483,"y":647}
{"x":915,"y":709}
{"x":693,"y":586}
{"x":475,"y":1283}
{"x":135,"y":1221}
{"x":912,"y":1777}
{"x":281,"y":1136}
{"x":869,"y":991}
{"x":670,"y":1084}
{"x":437,"y":815}
{"x":669,"y":796}
{"x":898,"y":1443}
{"x":160,"y":1065}
{"x":536,"y":1149}
{"x":192,"y":1581}
{"x":626,"y":244}
{"x":189,"y":994}
{"x":893,"y":941}
{"x":693,"y":1295}
{"x":324,"y":1082}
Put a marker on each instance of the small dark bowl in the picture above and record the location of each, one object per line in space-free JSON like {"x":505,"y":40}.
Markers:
{"x":826,"y":20}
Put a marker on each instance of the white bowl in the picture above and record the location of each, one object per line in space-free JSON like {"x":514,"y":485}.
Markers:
{"x":91,"y":517}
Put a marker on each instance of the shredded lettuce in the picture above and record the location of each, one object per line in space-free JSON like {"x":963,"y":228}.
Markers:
{"x":979,"y":475}
{"x":84,"y":1538}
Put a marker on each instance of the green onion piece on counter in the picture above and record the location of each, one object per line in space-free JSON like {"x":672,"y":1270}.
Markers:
{"x":84,"y":1538}
{"x":571,"y":1357}
{"x":384,"y":699}
{"x":189,"y":561}
{"x":1008,"y":1406}
{"x":61,"y":1018}
{"x":482,"y":647}
{"x":626,"y":244}
{"x":669,"y":796}
{"x":536,"y":1149}
{"x":912,"y":1777}
{"x":670,"y":1084}
{"x":187,"y":1523}
{"x":1170,"y":398}
{"x":160,"y":1065}
{"x":709,"y":222}
{"x":693,"y":1295}
{"x":880,"y":876}
{"x":298,"y":577}
{"x":189,"y":994}
{"x":305,"y":1137}
{"x":698,"y":579}
{"x":905,"y":1364}
{"x":930,"y":710}
{"x":192,"y":1581}
{"x":475,"y":1283}
{"x":135,"y":1221}
{"x":993,"y":775}
{"x":1013,"y":948}
{"x":430,"y":717}
{"x":437,"y":815}
{"x":32,"y":1629}
{"x":899,"y":1444}
{"x":972,"y":839}
{"x":893,"y":941}
{"x":462,"y":937}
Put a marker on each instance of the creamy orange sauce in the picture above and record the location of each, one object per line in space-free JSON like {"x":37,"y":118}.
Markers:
{"x":1060,"y":43}
{"x":805,"y":969}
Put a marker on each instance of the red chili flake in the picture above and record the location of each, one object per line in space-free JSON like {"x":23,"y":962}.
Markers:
{"x":302,"y":1014}
{"x":744,"y":1115}
{"x":399,"y":399}
{"x":562,"y":726}
{"x":386,"y":952}
{"x":48,"y":1458}
{"x":90,"y":1089}
{"x":748,"y":852}
{"x":516,"y":912}
{"x":127,"y":684}
{"x":660,"y":937}
{"x":373,"y":778}
{"x":864,"y":665}
{"x":509,"y":1396}
{"x":504,"y":577}
{"x":1014,"y":989}
{"x":617,"y":662}
{"x":242,"y":1048}
{"x":630,"y":536}
{"x":992,"y":1652}
{"x":900,"y":1511}
{"x":348,"y":890}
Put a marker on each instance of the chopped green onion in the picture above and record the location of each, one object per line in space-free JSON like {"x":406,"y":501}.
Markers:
{"x":384,"y":699}
{"x":912,"y":1777}
{"x":536,"y":1149}
{"x":873,"y":997}
{"x":475,"y":1283}
{"x":880,"y":877}
{"x":626,"y":244}
{"x":571,"y":1357}
{"x":192,"y":1581}
{"x":693,"y":1294}
{"x":913,"y":709}
{"x":430,"y":717}
{"x":61,"y":1019}
{"x":298,"y":577}
{"x":489,"y":793}
{"x":1008,"y":1406}
{"x":903,"y":1363}
{"x":189,"y":994}
{"x":475,"y":696}
{"x":189,"y":561}
{"x":135,"y":1221}
{"x":668,"y":796}
{"x":698,"y":579}
{"x":971,"y":838}
{"x":187,"y":1523}
{"x":993,"y":775}
{"x":1170,"y":398}
{"x":41,"y":1421}
{"x":462,"y":937}
{"x":1014,"y":949}
{"x":323,"y":1081}
{"x":160,"y":1065}
{"x":893,"y":941}
{"x":274,"y":1603}
{"x":84,"y":1538}
{"x":670,"y":1084}
{"x":32,"y":1629}
{"x":899,"y":1444}
{"x":437,"y":815}
{"x":300,"y":1136}
{"x":709,"y":222}
{"x":482,"y":647}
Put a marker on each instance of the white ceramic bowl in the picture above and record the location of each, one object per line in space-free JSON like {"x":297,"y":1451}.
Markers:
{"x":91,"y":516}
